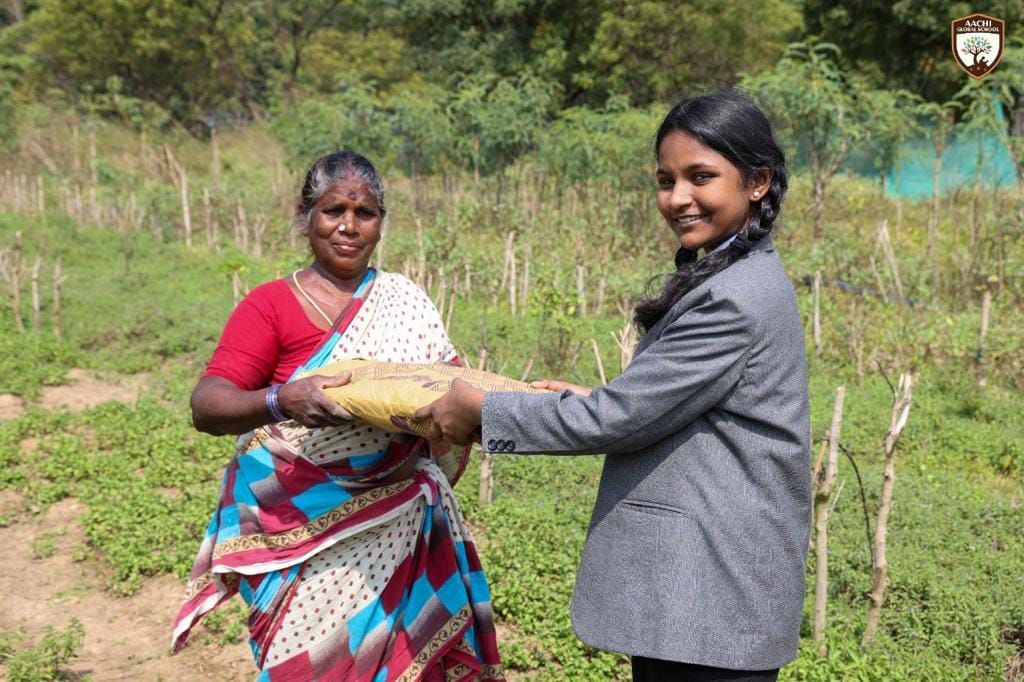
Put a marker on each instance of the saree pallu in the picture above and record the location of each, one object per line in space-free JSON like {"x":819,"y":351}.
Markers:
{"x":348,"y":577}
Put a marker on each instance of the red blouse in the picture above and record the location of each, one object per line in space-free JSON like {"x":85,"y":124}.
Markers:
{"x":265,"y":340}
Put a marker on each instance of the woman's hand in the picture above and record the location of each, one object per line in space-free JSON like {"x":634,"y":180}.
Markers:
{"x":305,"y":401}
{"x":456,"y":415}
{"x":559,"y":386}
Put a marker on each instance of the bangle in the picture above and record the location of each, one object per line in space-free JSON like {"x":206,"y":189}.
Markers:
{"x":273,"y":405}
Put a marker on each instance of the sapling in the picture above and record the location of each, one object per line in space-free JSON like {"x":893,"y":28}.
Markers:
{"x":901,"y":397}
{"x":824,"y":483}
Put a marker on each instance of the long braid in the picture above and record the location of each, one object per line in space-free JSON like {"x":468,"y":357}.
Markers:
{"x":692,"y":271}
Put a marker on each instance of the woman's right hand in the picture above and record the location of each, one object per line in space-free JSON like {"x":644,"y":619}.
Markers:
{"x":557,"y":386}
{"x":305,"y":401}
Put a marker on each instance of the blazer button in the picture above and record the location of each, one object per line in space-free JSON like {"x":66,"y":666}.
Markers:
{"x":491,"y":445}
{"x":510,"y":446}
{"x":499,"y":445}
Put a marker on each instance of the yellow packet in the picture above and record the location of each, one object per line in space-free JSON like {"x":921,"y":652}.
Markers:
{"x":387,"y":394}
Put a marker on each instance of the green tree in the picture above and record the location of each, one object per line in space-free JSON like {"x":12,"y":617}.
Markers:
{"x":816,"y":102}
{"x":653,"y":50}
{"x":187,"y":58}
{"x":939,"y":120}
{"x":902,"y":43}
{"x":452,"y":41}
{"x":891,"y":123}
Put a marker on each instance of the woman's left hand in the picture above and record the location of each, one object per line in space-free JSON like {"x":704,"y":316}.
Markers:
{"x":456,"y":416}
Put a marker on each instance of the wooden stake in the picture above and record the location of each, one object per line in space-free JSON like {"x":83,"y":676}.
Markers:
{"x":513,"y":281}
{"x":509,"y":241}
{"x":626,"y":340}
{"x":421,"y":267}
{"x":208,"y":220}
{"x":524,"y":295}
{"x":897,"y":421}
{"x":486,"y":492}
{"x":13,"y":272}
{"x":597,"y":357}
{"x":58,"y":282}
{"x":890,"y":256}
{"x":824,"y":484}
{"x":186,"y":212}
{"x":215,"y":157}
{"x":259,"y":228}
{"x":94,"y":175}
{"x":581,"y":290}
{"x":529,"y":368}
{"x":817,"y":312}
{"x":36,"y":267}
{"x":448,"y":318}
{"x":986,"y":305}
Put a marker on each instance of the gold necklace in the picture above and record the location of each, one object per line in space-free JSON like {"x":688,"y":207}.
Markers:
{"x":309,"y":298}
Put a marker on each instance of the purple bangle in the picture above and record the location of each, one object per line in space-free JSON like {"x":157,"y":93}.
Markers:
{"x":274,"y":405}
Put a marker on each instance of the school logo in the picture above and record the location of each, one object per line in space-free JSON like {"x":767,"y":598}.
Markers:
{"x":978,"y":43}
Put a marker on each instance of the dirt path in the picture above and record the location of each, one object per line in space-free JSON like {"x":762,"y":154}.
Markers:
{"x":126,"y":638}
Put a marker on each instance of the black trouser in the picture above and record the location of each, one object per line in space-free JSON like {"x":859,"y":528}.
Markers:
{"x":654,"y":670}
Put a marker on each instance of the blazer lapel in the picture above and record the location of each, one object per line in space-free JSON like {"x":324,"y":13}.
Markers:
{"x":762,"y":245}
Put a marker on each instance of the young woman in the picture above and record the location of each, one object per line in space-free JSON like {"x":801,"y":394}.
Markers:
{"x":346,"y":541}
{"x":694,"y":560}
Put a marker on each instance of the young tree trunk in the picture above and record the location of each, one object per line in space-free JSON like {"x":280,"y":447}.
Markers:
{"x":933,"y":213}
{"x":986,"y":305}
{"x":897,"y":421}
{"x":824,"y":482}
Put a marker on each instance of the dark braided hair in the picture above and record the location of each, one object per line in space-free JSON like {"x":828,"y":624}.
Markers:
{"x":731,"y":124}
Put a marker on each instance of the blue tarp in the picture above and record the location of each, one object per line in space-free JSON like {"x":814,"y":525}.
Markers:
{"x":968,"y":158}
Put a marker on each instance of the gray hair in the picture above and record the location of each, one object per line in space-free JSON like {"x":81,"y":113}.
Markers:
{"x":332,"y":168}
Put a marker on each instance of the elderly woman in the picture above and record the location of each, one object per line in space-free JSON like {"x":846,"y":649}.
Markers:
{"x":345,"y":541}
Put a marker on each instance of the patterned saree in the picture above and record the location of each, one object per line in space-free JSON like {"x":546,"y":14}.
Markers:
{"x":348,"y":577}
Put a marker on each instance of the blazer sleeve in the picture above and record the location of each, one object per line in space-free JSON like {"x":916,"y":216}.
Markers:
{"x":689,"y":369}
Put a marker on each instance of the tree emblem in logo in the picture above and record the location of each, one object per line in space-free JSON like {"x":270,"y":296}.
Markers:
{"x":977,"y":43}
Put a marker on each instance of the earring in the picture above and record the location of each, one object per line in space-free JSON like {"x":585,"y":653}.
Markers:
{"x":757,"y":194}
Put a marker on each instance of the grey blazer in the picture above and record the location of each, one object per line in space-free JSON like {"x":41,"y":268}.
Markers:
{"x":697,"y":542}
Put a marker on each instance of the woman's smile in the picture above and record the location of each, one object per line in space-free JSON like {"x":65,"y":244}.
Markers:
{"x":701,"y":195}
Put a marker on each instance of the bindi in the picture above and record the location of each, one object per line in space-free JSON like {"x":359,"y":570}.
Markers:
{"x":353,"y":196}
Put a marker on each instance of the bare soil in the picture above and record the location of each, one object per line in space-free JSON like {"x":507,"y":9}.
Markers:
{"x":83,"y":389}
{"x":126,"y":638}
